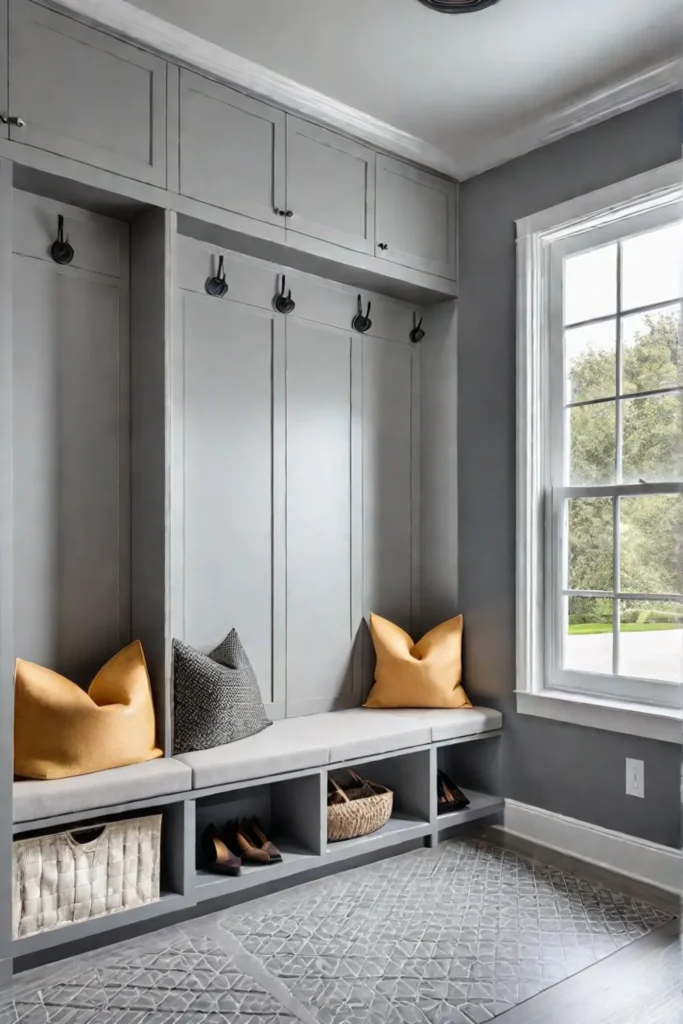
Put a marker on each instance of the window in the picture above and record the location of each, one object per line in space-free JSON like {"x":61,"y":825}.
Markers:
{"x":600,"y":451}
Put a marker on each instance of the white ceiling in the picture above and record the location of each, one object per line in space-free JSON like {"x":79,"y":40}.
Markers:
{"x":458,"y":82}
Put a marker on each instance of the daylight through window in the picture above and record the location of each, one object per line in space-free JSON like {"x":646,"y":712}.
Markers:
{"x":610,"y":467}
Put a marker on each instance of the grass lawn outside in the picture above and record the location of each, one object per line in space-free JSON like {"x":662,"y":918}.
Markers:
{"x":590,"y":628}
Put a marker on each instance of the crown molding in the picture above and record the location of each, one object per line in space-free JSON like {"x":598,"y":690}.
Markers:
{"x":655,"y":81}
{"x":123,"y":19}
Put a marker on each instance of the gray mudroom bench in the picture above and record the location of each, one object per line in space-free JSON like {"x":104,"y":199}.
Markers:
{"x":280,"y":775}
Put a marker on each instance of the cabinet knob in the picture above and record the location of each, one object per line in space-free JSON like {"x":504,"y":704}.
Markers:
{"x":289,"y":213}
{"x":15,"y":122}
{"x":280,"y":213}
{"x":383,"y":246}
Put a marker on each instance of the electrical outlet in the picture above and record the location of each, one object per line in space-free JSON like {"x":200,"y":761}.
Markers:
{"x":635,"y":777}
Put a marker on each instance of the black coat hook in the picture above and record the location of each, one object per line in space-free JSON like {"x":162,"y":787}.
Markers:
{"x":217,"y":286}
{"x":417,"y":334}
{"x":284,"y":303}
{"x":61,"y":250}
{"x":360,"y":322}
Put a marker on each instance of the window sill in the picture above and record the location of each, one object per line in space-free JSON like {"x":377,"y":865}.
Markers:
{"x":601,"y":713}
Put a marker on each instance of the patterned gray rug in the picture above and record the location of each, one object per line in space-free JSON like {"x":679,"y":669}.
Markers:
{"x":454,"y":935}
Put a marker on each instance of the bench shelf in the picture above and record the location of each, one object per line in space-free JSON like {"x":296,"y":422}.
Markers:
{"x":482,"y":805}
{"x":169,"y":903}
{"x":401,"y":828}
{"x":294,"y":861}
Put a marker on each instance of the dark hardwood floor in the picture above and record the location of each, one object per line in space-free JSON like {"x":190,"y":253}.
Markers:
{"x":640,"y":984}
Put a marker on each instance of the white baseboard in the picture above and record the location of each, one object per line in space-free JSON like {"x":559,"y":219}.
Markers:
{"x":639,"y":859}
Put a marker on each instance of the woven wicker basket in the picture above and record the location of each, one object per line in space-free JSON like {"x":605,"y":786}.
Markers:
{"x":357,"y":811}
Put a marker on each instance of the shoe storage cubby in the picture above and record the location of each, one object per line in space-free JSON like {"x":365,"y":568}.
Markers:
{"x":474,"y":767}
{"x":175,"y":880}
{"x":408,"y":777}
{"x":289,"y":813}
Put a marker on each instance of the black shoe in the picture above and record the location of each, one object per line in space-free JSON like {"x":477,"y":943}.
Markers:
{"x":451,"y":798}
{"x":218,"y":857}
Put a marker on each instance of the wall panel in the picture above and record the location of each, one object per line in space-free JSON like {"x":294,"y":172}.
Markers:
{"x":71,"y":461}
{"x":295,"y":477}
{"x":389,"y":463}
{"x":229,"y":356}
{"x":320,"y":630}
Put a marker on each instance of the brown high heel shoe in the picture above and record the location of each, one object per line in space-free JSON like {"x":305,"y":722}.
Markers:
{"x":249,"y":852}
{"x":218,"y":857}
{"x":263,"y":841}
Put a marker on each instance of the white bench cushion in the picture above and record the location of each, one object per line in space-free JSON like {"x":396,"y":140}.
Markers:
{"x":286,"y":746}
{"x":362,"y":732}
{"x":36,"y":799}
{"x":447,"y":724}
{"x":308,"y":742}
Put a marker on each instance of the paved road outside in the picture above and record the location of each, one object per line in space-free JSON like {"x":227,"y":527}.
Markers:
{"x":647,"y":655}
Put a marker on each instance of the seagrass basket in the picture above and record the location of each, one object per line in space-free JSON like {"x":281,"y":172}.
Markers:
{"x":357,"y":810}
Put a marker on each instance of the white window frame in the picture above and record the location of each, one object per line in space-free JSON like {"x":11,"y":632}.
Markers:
{"x":543,"y":240}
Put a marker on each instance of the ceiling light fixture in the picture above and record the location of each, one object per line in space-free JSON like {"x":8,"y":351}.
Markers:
{"x":458,"y":6}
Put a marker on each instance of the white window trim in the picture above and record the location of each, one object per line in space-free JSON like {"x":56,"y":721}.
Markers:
{"x":659,"y":187}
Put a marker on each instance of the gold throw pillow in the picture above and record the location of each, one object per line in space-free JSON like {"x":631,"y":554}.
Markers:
{"x":423,"y":675}
{"x":60,"y":730}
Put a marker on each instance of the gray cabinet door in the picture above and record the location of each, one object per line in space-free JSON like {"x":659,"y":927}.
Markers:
{"x":86,"y":95}
{"x":232,"y":149}
{"x":71,"y":450}
{"x":4,"y":101}
{"x":322,"y":619}
{"x":231,"y":437}
{"x":416,"y":218}
{"x":330,"y":186}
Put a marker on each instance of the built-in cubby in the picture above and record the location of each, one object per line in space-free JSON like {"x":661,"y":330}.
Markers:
{"x":408,"y":776}
{"x":88,"y":446}
{"x":71,"y":437}
{"x":177,"y":877}
{"x":289,"y":812}
{"x":475,"y":768}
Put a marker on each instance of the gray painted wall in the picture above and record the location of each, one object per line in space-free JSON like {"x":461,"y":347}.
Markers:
{"x":563,"y":768}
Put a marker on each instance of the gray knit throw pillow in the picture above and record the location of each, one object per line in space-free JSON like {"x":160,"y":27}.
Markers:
{"x":216,"y":697}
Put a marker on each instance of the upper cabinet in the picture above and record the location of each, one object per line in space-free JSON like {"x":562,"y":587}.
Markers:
{"x":4,"y":109}
{"x":232,"y":150}
{"x":330,"y":187}
{"x":416,"y":218}
{"x":85,"y":95}
{"x":71,"y":90}
{"x":243,"y":155}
